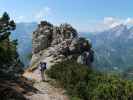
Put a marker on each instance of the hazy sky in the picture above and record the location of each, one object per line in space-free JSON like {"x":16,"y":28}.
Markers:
{"x":85,"y":15}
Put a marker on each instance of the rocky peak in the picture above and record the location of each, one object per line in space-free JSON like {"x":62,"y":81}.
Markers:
{"x":68,"y":31}
{"x":119,"y":30}
{"x":45,"y":23}
{"x":121,"y":26}
{"x":59,"y":41}
{"x":47,"y":35}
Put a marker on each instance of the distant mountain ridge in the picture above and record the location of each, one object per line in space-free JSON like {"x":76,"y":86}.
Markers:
{"x":23,"y":34}
{"x":113,"y":48}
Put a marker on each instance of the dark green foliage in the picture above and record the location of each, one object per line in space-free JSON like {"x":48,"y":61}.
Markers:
{"x":6,"y":26}
{"x":8,"y":53}
{"x":82,"y":83}
{"x":7,"y":47}
{"x":84,"y":44}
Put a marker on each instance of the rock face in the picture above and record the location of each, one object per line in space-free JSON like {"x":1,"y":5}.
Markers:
{"x":61,"y":42}
{"x":41,"y":37}
{"x":47,"y":35}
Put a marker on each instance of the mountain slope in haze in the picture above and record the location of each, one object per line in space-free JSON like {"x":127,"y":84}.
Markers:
{"x":23,"y":34}
{"x":113,"y":48}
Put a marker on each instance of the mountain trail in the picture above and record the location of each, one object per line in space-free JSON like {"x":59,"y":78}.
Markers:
{"x":46,"y":90}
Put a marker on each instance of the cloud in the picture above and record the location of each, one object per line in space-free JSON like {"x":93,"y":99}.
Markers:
{"x":110,"y":22}
{"x":36,"y":16}
{"x":129,"y":21}
{"x":43,"y":13}
{"x":20,"y":18}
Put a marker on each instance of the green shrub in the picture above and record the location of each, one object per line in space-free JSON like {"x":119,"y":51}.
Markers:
{"x":82,"y":83}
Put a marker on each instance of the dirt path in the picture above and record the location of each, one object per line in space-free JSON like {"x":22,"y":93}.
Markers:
{"x":46,"y":91}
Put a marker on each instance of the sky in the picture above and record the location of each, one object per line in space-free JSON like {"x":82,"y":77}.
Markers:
{"x":84,"y":15}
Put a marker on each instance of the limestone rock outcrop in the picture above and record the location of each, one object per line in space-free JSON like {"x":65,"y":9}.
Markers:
{"x":47,"y":35}
{"x":60,"y":42}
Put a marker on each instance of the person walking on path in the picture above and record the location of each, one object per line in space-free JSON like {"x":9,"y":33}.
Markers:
{"x":43,"y":67}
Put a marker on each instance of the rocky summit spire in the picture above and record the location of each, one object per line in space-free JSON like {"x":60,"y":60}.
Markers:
{"x":61,"y":41}
{"x":46,"y":35}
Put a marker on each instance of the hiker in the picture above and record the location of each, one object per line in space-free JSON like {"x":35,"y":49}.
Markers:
{"x":42,"y":69}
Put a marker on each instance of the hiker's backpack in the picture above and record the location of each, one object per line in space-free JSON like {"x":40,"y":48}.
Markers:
{"x":43,"y":66}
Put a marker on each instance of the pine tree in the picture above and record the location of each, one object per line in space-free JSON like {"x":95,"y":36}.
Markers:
{"x":8,"y":49}
{"x":6,"y":26}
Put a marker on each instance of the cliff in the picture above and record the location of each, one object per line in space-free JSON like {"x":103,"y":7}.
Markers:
{"x":60,"y":43}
